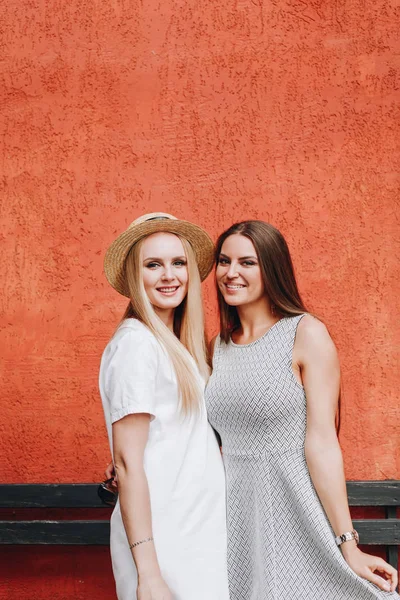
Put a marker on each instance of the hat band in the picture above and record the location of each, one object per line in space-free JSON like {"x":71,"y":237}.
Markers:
{"x":157,"y":219}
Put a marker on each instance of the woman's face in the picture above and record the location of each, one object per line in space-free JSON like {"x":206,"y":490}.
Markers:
{"x":238,"y":272}
{"x":165,"y":273}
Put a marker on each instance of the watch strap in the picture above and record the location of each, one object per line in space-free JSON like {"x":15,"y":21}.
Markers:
{"x":347,"y":537}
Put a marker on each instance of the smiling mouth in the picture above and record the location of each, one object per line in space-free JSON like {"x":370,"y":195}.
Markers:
{"x":168,"y":289}
{"x":231,"y":286}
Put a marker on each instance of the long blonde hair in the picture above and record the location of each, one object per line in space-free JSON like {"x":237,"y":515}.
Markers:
{"x":189,"y":335}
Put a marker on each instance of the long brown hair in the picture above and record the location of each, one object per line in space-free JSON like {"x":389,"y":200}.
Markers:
{"x":276,"y":271}
{"x":278,"y":277}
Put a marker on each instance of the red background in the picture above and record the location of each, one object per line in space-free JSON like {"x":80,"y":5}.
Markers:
{"x":286,"y":111}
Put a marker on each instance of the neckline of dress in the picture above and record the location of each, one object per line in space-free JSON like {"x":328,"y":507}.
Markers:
{"x":258,"y":339}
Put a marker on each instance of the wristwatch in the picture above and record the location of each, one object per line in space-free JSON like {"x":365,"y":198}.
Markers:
{"x":347,"y":537}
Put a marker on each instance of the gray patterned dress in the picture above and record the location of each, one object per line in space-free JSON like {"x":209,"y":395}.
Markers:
{"x":280,"y":543}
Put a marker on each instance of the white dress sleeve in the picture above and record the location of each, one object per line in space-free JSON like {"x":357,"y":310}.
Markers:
{"x":130,"y":374}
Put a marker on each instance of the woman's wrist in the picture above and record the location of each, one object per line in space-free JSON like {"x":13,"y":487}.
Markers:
{"x":147,"y":567}
{"x":146,"y":562}
{"x":348,"y":548}
{"x":149,"y":576}
{"x":149,"y":572}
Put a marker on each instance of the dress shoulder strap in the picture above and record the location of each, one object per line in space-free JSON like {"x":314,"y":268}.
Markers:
{"x":293,"y":323}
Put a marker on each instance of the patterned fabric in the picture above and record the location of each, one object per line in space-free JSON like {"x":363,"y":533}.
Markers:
{"x":280,"y":543}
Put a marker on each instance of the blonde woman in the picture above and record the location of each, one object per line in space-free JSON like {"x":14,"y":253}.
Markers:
{"x":168,"y":529}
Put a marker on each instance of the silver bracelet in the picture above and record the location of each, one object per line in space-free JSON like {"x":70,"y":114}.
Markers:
{"x":149,"y":539}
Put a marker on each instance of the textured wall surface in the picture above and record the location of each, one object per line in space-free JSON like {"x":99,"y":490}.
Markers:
{"x":282,"y":110}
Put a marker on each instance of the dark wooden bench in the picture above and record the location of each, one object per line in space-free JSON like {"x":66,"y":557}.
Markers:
{"x":15,"y":497}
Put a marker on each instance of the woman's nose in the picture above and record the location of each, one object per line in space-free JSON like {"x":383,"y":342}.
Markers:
{"x":232,"y":271}
{"x":167,"y":274}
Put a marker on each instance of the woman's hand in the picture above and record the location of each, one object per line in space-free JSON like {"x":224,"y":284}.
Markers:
{"x":372,"y":568}
{"x":153,"y":588}
{"x":111,"y":474}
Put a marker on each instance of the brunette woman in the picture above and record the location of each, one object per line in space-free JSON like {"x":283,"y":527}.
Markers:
{"x":168,"y":529}
{"x":273,"y":397}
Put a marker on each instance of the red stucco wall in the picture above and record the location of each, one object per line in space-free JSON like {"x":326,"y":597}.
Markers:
{"x":215,"y":111}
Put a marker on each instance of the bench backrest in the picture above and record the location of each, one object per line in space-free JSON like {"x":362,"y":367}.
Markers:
{"x":384,"y":532}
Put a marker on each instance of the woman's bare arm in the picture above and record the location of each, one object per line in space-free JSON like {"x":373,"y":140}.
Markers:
{"x":130,"y":436}
{"x":316,"y":357}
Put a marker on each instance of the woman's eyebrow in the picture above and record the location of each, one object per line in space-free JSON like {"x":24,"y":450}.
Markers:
{"x":241,"y":258}
{"x":154,"y":258}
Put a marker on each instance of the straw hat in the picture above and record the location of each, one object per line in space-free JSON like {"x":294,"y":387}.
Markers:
{"x":114,"y":261}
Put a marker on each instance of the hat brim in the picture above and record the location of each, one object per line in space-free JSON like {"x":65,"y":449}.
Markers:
{"x":114,"y":260}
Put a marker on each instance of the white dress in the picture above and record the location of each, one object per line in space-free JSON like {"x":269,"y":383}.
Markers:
{"x":183,"y":466}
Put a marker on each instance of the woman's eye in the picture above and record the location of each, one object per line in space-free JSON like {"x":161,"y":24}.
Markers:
{"x":249,"y":263}
{"x":223,"y":261}
{"x":152,"y":265}
{"x":180,"y":263}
